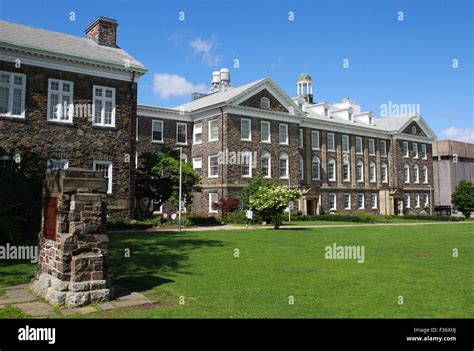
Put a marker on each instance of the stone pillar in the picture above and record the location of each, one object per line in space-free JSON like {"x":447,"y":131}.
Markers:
{"x":73,"y":246}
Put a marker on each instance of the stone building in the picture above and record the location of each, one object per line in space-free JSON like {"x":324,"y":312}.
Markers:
{"x":72,"y":101}
{"x":340,"y":157}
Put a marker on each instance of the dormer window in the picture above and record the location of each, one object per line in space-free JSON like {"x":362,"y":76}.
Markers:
{"x":265,"y":103}
{"x":413,"y":130}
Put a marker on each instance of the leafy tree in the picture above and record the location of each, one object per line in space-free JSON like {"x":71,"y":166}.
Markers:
{"x":256,"y":183}
{"x":228,"y":205}
{"x":272,"y":201}
{"x":157,"y":180}
{"x":463,"y":197}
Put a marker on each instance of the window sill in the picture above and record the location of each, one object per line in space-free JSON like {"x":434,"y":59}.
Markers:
{"x":211,"y":141}
{"x":213,"y":177}
{"x":182,"y":144}
{"x":197,"y":143}
{"x":60,"y":123}
{"x":98,"y":126}
{"x":157,"y":142}
{"x":265,"y":142}
{"x":246,"y":140}
{"x":12,"y":117}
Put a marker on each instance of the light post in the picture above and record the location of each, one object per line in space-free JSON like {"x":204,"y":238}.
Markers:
{"x":180,"y":185}
{"x":289,"y":188}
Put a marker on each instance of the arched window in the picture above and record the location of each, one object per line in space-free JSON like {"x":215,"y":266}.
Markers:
{"x":301,"y":167}
{"x":384,"y":173}
{"x":346,"y":170}
{"x":416,"y":174}
{"x":315,"y":168}
{"x":360,"y":171}
{"x":245,"y":163}
{"x":372,"y":172}
{"x":424,"y":174}
{"x":265,"y":164}
{"x":413,"y":130}
{"x":406,"y":173}
{"x":265,"y":103}
{"x":283,"y":165}
{"x":331,"y":169}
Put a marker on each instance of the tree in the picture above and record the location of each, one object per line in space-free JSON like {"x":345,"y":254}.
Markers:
{"x":463,"y":197}
{"x":228,"y":205}
{"x":256,"y":183}
{"x":157,"y":180}
{"x":272,"y":201}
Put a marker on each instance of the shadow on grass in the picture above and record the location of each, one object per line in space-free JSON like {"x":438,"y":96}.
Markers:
{"x":143,"y":261}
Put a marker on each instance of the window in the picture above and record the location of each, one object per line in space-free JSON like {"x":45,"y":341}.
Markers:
{"x":360,"y":171}
{"x":265,"y":135}
{"x":283,"y":165}
{"x":197,"y":164}
{"x":106,"y":168}
{"x":181,"y":133}
{"x":359,"y":145}
{"x":283,"y":134}
{"x":423,"y":151}
{"x":371,"y":147}
{"x":406,"y":200}
{"x":331,"y":144}
{"x":301,"y":167}
{"x":213,"y":166}
{"x":245,"y":163}
{"x":157,"y":131}
{"x":413,"y":130}
{"x":332,"y":201}
{"x":301,"y":138}
{"x":405,"y":149}
{"x":347,"y":201}
{"x":360,"y":201}
{"x":372,"y":172}
{"x":406,"y":173}
{"x":12,"y":94}
{"x":197,"y":133}
{"x":417,"y":200}
{"x":383,"y":148}
{"x":214,"y":130}
{"x":331,"y":169}
{"x":6,"y":162}
{"x":416,"y":174}
{"x":265,"y":164}
{"x":155,"y":207}
{"x":213,"y":199}
{"x":373,"y":201}
{"x":245,"y":129}
{"x":345,"y":143}
{"x":60,"y":100}
{"x":426,"y":201}
{"x":415,"y":150}
{"x":103,"y":107}
{"x":265,"y":103}
{"x":54,"y":165}
{"x":424,"y":174}
{"x":384,"y":173}
{"x":315,"y":168}
{"x":346,"y":171}
{"x":315,"y":140}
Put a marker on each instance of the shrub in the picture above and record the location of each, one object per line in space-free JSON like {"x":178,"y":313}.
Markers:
{"x":236,"y":217}
{"x":228,"y":205}
{"x":204,"y":221}
{"x":463,"y":197}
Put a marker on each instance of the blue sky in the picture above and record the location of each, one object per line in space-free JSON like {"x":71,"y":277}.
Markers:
{"x":405,"y":62}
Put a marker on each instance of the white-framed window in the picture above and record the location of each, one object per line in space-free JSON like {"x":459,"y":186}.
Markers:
{"x":6,"y":162}
{"x":332,"y":201}
{"x":406,"y":173}
{"x":103,"y":106}
{"x":301,"y":139}
{"x":423,"y":151}
{"x":301,"y":167}
{"x":346,"y":171}
{"x":54,"y":165}
{"x":265,"y":164}
{"x":315,"y":140}
{"x":197,"y":164}
{"x":373,"y":201}
{"x":415,"y":150}
{"x":246,"y":163}
{"x":383,"y":148}
{"x":265,"y":135}
{"x":413,"y":130}
{"x":316,"y":168}
{"x":361,"y":201}
{"x":360,"y":171}
{"x":156,"y":209}
{"x":214,"y":130}
{"x":106,"y":168}
{"x":213,"y":199}
{"x":283,"y":165}
{"x":265,"y":103}
{"x":372,"y":172}
{"x":384,"y":173}
{"x":332,"y":169}
{"x":405,"y":149}
{"x":417,"y":200}
{"x":426,"y":200}
{"x":245,"y":129}
{"x":213,"y":166}
{"x":12,"y":94}
{"x":406,"y":200}
{"x":371,"y":147}
{"x":345,"y":143}
{"x":157,"y":131}
{"x":416,"y":174}
{"x":424,"y":174}
{"x":60,"y":100}
{"x":359,"y":145}
{"x":283,"y":134}
{"x":181,"y":133}
{"x":331,"y":142}
{"x":197,"y":133}
{"x":347,"y":201}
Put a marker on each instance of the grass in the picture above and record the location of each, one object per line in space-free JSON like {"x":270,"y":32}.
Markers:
{"x":273,"y":265}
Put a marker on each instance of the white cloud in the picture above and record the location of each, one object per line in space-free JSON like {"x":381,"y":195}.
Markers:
{"x":172,"y":85}
{"x":466,"y":135}
{"x":204,"y":47}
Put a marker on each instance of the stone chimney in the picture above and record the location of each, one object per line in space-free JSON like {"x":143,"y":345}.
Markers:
{"x":103,"y":31}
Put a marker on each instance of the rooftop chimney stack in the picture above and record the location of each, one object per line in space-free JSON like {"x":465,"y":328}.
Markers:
{"x":225,"y":78}
{"x":103,"y":31}
{"x":216,"y":81}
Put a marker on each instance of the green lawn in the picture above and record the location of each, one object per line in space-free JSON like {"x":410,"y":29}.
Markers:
{"x":273,"y":265}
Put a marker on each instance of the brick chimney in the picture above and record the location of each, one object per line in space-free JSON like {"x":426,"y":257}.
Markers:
{"x":103,"y":31}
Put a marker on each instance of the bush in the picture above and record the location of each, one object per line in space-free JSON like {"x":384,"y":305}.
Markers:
{"x":203,"y":221}
{"x":236,"y":217}
{"x":121,"y":224}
